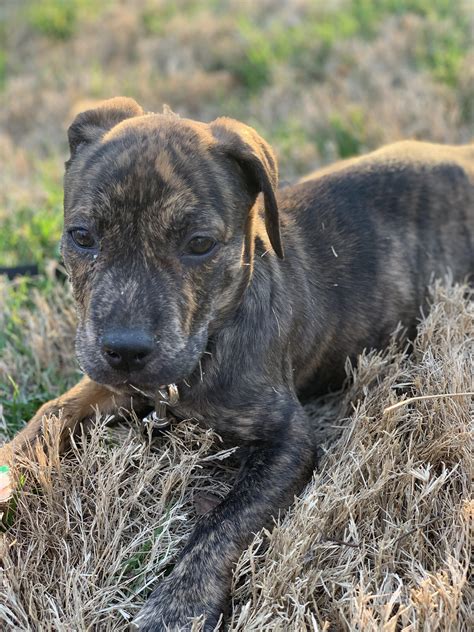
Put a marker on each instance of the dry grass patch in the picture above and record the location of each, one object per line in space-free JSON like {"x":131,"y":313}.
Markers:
{"x":93,"y":531}
{"x":378,"y":541}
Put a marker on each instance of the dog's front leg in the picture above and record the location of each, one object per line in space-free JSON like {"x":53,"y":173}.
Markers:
{"x":199,"y":583}
{"x":69,"y":409}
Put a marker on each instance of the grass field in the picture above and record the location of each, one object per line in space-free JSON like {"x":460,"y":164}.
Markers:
{"x":320,"y":80}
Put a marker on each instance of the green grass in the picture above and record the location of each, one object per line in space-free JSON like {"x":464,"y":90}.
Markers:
{"x":307,"y":45}
{"x":32,"y":235}
{"x":59,"y":19}
{"x":136,"y":562}
{"x":3,"y":51}
{"x":155,"y":19}
{"x":21,"y":394}
{"x":3,"y":67}
{"x":443,"y":50}
{"x":3,"y":56}
{"x":348,"y":133}
{"x":19,"y":407}
{"x":54,"y":18}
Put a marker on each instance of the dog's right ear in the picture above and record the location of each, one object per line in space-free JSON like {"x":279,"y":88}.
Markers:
{"x":90,"y":125}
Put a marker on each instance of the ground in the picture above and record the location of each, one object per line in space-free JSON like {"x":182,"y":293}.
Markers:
{"x":381,"y":532}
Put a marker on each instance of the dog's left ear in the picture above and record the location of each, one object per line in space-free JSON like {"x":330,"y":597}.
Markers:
{"x":91,"y":125}
{"x":256,"y":159}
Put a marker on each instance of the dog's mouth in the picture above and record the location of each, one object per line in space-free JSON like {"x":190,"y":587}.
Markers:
{"x":167,"y":392}
{"x":126,"y":387}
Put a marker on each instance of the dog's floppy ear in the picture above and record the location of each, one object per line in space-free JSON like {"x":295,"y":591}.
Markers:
{"x":256,"y":159}
{"x":90,"y":125}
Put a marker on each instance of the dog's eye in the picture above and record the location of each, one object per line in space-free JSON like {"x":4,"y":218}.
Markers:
{"x":83,"y":238}
{"x":200,"y":245}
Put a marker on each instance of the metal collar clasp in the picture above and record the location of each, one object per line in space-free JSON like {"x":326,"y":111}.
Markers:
{"x":166,"y":396}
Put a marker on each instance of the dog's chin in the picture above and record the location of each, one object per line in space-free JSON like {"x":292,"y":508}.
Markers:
{"x":144,"y":382}
{"x":133,"y":383}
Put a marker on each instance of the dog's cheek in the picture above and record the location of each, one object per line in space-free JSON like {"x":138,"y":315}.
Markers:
{"x":81,"y":275}
{"x":188,"y":303}
{"x":232,"y":272}
{"x":83,"y":346}
{"x":88,"y":353}
{"x":81,"y":299}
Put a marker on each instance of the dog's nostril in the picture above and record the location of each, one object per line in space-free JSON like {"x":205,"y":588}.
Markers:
{"x":112,"y":354}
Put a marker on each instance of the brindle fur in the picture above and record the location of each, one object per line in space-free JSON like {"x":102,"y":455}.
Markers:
{"x":247,"y":332}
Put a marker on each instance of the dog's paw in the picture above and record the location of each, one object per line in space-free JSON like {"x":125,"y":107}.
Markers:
{"x":172,"y":608}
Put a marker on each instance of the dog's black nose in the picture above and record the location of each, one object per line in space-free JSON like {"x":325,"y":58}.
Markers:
{"x":127,"y":350}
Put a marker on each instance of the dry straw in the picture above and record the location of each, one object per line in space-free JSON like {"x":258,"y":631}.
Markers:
{"x":379,"y":540}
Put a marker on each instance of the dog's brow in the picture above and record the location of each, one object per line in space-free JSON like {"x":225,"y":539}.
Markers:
{"x":192,"y":216}
{"x":78,"y":214}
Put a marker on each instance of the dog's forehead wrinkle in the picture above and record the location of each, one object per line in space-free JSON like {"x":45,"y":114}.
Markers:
{"x":148,"y":197}
{"x":194,"y":164}
{"x":167,"y":170}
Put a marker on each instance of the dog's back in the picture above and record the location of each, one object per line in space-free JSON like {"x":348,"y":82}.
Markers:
{"x":375,"y":231}
{"x":407,"y":189}
{"x":408,"y":152}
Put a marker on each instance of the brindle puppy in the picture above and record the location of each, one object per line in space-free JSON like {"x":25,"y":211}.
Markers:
{"x":179,"y":277}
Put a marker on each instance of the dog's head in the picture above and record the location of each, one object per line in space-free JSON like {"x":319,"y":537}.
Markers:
{"x":160,"y":225}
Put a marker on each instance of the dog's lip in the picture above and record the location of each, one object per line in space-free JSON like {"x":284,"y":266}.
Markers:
{"x":125,"y":387}
{"x":147,"y":391}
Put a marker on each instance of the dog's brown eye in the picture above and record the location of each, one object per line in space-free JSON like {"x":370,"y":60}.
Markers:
{"x":200,"y":245}
{"x":82,"y":238}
